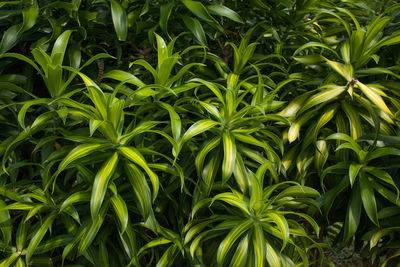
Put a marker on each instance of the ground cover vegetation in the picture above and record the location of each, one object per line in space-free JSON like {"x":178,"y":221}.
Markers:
{"x":199,"y":133}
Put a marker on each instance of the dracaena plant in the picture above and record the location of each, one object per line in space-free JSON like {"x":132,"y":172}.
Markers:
{"x":231,"y":127}
{"x":236,"y":128}
{"x":199,"y":17}
{"x":112,"y":152}
{"x":243,"y":133}
{"x":364,"y":175}
{"x":167,"y":79}
{"x":382,"y":241}
{"x":51,"y":71}
{"x":50,"y":67}
{"x":17,"y":31}
{"x":258,"y":228}
{"x":347,"y":96}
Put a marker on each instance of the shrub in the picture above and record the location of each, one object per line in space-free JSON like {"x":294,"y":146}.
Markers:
{"x":199,"y":133}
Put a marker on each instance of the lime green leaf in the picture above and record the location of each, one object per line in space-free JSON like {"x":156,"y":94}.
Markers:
{"x":124,"y":76}
{"x":197,"y":128}
{"x":230,"y":239}
{"x":79,"y":152}
{"x":100,"y":184}
{"x":374,"y":97}
{"x":241,"y":254}
{"x":327,"y":94}
{"x":175,"y":120}
{"x":10,"y":260}
{"x":140,"y":188}
{"x":87,"y":236}
{"x":346,"y":71}
{"x":57,"y":54}
{"x":120,"y":210}
{"x":134,"y":155}
{"x":228,"y":164}
{"x":154,"y":243}
{"x":75,"y":198}
{"x":233,"y":200}
{"x":273,"y":258}
{"x":38,"y":236}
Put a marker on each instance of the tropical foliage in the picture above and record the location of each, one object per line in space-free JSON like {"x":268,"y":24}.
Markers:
{"x":199,"y":133}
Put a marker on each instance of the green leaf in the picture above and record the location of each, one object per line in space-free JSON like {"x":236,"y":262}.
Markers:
{"x":26,"y":106}
{"x":10,"y":38}
{"x":353,"y":214}
{"x":58,"y":241}
{"x":140,"y":188}
{"x":353,"y":172}
{"x":168,"y":257}
{"x":197,"y":8}
{"x":100,"y":184}
{"x":124,"y":76}
{"x":374,"y":97}
{"x":314,"y":44}
{"x":23,"y":58}
{"x":382,"y":175}
{"x":30,"y":15}
{"x":120,"y":210}
{"x":120,"y":20}
{"x":273,"y":258}
{"x":87,"y":236}
{"x":225,"y":11}
{"x":154,"y":243}
{"x":230,"y":239}
{"x":10,"y":260}
{"x":241,"y":254}
{"x":197,"y":128}
{"x":38,"y":236}
{"x":294,"y":129}
{"x":79,"y":152}
{"x":5,"y":223}
{"x":327,"y":94}
{"x":58,"y":52}
{"x":353,"y":117}
{"x":368,"y":199}
{"x":282,"y":225}
{"x":134,"y":155}
{"x":176,"y":124}
{"x":344,"y":137}
{"x":195,"y":27}
{"x":165,"y":12}
{"x":143,"y":127}
{"x":233,"y":200}
{"x":346,"y":71}
{"x":75,"y":198}
{"x":228,"y":164}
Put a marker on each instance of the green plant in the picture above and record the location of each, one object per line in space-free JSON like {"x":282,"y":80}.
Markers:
{"x":199,"y":133}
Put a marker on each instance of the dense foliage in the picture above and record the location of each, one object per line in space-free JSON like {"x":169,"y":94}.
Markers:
{"x":199,"y":133}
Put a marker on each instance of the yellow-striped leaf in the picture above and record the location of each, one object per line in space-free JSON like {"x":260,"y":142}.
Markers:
{"x":100,"y":184}
{"x":374,"y":97}
{"x":134,"y":155}
{"x":228,"y":163}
